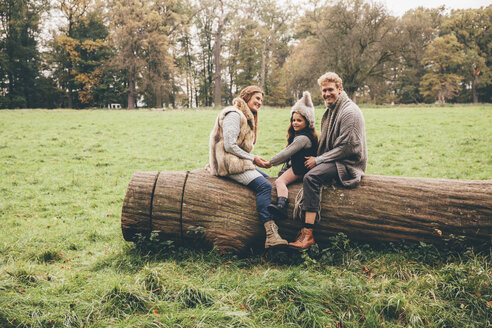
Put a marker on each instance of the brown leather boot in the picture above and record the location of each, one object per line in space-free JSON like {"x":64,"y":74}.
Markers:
{"x":304,"y":239}
{"x":272,"y":237}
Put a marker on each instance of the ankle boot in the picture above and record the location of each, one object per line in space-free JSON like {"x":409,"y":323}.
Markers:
{"x":304,"y":239}
{"x":272,"y":237}
{"x":280,"y":210}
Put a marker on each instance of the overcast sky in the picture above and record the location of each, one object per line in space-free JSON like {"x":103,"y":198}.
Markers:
{"x":395,"y":7}
{"x":399,"y":7}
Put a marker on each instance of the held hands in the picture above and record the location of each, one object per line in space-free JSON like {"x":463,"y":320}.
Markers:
{"x":259,"y":161}
{"x":310,"y":162}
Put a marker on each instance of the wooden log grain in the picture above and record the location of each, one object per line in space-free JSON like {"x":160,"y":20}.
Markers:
{"x":196,"y":207}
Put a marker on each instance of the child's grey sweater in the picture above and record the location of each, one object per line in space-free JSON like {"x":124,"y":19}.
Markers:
{"x":299,"y":142}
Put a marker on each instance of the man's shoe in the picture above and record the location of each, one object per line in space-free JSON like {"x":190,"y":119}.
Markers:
{"x":304,"y":239}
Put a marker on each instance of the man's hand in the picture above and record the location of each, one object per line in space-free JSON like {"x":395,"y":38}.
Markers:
{"x":262,"y":162}
{"x":310,"y":162}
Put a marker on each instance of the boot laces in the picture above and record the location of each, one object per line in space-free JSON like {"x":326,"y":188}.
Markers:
{"x":301,"y":235}
{"x":271,"y":229}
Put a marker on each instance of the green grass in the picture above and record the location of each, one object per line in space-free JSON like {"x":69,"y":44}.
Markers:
{"x":64,"y":263}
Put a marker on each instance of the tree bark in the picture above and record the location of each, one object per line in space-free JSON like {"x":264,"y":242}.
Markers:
{"x":131,"y":86}
{"x":70,"y":65}
{"x":474,"y":86}
{"x":221,"y":21}
{"x":70,"y":86}
{"x":217,"y":63}
{"x":263,"y":66}
{"x":189,"y":76}
{"x":381,"y":208}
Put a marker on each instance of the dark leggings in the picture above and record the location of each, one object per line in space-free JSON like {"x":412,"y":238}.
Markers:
{"x":263,"y":191}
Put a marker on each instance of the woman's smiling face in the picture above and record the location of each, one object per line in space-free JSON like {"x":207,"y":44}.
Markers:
{"x":255,"y":102}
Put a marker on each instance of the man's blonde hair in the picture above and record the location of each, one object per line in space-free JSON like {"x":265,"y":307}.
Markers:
{"x":331,"y":77}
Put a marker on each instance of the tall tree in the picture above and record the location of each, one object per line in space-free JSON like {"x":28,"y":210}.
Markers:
{"x":183,"y":52}
{"x":473,"y":29}
{"x":94,"y":81}
{"x":204,"y":24}
{"x":79,"y":57}
{"x":417,"y":28}
{"x":19,"y":57}
{"x":223,"y":15}
{"x":249,"y":54}
{"x":214,"y":18}
{"x":185,"y":61}
{"x":140,"y":33}
{"x":66,"y":55}
{"x":274,"y":30}
{"x":353,"y":38}
{"x":443,"y":58}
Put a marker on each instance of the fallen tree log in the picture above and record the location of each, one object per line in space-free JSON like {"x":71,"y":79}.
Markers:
{"x":188,"y":206}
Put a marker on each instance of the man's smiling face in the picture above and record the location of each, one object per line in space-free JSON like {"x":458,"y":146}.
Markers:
{"x":330,"y":92}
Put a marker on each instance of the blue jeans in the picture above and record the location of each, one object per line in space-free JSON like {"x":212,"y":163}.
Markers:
{"x":263,"y":191}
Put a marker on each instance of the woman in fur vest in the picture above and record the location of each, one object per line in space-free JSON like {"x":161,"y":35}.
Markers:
{"x":231,"y":143}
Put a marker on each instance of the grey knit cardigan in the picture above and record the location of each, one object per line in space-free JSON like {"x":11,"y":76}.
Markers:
{"x":345,"y":142}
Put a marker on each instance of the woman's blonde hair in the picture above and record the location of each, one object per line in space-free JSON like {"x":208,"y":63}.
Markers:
{"x":249,"y":91}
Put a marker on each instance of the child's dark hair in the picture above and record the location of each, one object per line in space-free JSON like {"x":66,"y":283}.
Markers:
{"x":291,"y":133}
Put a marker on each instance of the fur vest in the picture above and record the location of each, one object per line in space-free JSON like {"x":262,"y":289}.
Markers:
{"x":222,"y":163}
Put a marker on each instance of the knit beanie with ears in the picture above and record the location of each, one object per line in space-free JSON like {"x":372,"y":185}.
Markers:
{"x":304,"y":106}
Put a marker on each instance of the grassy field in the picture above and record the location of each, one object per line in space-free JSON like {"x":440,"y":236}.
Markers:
{"x":64,"y":263}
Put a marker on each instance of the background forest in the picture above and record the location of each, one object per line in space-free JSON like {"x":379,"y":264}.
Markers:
{"x":195,"y":53}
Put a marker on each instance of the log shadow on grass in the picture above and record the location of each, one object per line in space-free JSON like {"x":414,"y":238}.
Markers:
{"x":339,"y":251}
{"x":155,"y":245}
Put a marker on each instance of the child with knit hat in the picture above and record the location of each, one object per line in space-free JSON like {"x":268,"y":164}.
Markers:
{"x":302,"y":142}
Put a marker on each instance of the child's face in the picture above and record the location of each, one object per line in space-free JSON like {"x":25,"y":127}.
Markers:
{"x":298,"y":122}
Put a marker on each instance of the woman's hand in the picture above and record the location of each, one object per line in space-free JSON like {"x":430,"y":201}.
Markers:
{"x":258,"y":161}
{"x":310,"y":162}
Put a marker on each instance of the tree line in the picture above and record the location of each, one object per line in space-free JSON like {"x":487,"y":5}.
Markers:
{"x":194,"y":53}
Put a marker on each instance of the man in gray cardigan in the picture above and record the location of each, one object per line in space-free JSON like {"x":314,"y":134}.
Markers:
{"x":342,"y":152}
